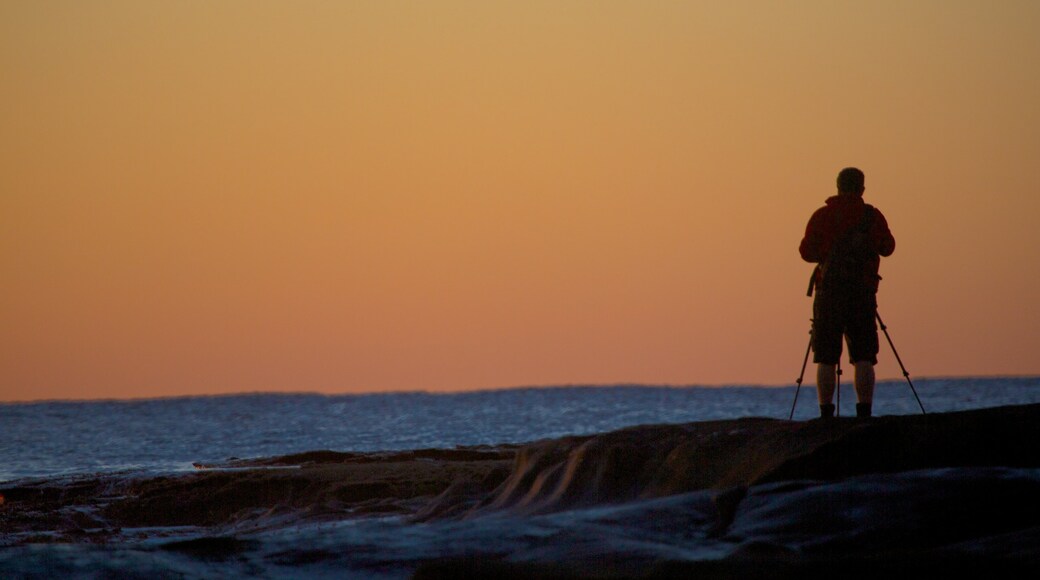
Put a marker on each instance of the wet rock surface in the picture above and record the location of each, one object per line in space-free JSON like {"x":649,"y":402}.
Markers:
{"x":747,"y":497}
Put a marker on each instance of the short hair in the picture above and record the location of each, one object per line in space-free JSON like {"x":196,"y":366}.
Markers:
{"x":850,"y":180}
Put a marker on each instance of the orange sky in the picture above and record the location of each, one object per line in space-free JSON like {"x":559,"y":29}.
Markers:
{"x":210,"y":197}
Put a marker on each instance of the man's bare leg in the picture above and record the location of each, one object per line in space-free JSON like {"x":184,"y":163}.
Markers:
{"x":864,"y":383}
{"x":826,"y":380}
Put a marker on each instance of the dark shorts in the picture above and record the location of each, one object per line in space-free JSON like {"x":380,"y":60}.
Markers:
{"x":850,"y":315}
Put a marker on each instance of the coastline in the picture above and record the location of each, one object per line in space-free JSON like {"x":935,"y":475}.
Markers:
{"x":888,"y":493}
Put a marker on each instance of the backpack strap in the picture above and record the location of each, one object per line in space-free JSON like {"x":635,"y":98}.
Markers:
{"x":862,"y":228}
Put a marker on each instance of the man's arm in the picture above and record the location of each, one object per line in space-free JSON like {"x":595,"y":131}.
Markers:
{"x":811,"y":247}
{"x":883,"y":239}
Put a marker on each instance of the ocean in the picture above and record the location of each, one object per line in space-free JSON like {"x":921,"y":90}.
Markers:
{"x":156,"y":436}
{"x":105,"y":489}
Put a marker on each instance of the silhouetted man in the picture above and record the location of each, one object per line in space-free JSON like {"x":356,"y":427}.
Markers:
{"x":846,"y":238}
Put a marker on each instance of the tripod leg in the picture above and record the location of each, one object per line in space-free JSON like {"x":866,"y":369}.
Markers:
{"x":837,"y":391}
{"x":906,"y":373}
{"x":801,"y":376}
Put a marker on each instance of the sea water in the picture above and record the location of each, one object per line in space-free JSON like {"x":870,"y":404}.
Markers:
{"x":73,"y":439}
{"x":47,"y":439}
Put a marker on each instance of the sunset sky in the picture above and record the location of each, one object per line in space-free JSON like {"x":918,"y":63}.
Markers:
{"x":206,"y":197}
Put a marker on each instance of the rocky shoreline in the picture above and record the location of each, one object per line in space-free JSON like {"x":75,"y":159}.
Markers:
{"x":771,"y":498}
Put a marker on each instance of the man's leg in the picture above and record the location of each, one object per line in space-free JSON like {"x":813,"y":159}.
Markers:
{"x":863,"y":350}
{"x":826,"y":381}
{"x":864,"y":383}
{"x":826,"y":343}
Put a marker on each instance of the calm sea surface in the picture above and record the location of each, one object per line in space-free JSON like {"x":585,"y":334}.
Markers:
{"x":164,"y":435}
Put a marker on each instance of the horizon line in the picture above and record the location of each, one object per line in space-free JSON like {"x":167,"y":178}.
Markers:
{"x":247,"y":393}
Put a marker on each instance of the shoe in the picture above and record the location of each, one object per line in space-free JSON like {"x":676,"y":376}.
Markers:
{"x":827,"y":411}
{"x":863,"y":410}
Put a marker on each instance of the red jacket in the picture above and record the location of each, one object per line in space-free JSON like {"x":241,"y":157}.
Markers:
{"x":841,"y":213}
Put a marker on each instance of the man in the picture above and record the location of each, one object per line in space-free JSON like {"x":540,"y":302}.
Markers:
{"x":846,"y":239}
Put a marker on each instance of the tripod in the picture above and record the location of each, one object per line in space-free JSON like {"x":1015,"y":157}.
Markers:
{"x":838,"y":383}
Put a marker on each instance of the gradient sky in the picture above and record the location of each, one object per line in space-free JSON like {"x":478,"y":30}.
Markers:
{"x":226,"y":196}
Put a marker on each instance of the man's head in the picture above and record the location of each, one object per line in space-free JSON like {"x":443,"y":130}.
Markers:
{"x":850,"y":181}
